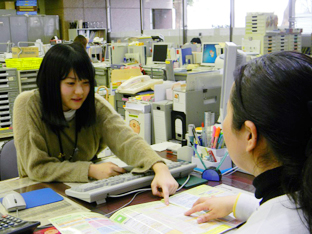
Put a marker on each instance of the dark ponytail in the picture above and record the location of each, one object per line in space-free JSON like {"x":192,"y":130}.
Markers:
{"x":273,"y":92}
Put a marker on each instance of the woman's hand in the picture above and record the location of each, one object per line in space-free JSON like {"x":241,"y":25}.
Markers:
{"x":217,"y":207}
{"x":163,"y":183}
{"x":104,"y":170}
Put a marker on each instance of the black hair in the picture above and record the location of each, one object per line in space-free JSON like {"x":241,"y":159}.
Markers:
{"x":196,"y":40}
{"x":273,"y":92}
{"x":55,"y":66}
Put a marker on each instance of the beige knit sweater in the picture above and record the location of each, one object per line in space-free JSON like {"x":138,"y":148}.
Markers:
{"x":38,"y":147}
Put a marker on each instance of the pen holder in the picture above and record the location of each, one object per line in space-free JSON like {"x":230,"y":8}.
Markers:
{"x":218,"y":153}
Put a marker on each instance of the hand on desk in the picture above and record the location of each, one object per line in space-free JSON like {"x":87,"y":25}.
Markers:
{"x":104,"y":170}
{"x":163,"y":183}
{"x":217,"y":207}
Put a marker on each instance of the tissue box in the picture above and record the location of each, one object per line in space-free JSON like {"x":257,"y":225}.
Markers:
{"x":26,"y":52}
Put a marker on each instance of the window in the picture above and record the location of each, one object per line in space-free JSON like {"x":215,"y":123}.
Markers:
{"x":303,"y":15}
{"x":205,"y":14}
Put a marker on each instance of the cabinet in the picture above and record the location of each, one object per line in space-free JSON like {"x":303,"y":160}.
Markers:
{"x":87,"y":32}
{"x":120,"y":103}
{"x":27,"y":79}
{"x":21,"y":28}
{"x":5,"y":32}
{"x":8,"y":93}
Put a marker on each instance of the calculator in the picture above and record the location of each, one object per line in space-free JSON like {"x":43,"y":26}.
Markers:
{"x":11,"y":225}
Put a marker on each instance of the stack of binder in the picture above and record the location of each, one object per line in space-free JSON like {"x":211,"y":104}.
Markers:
{"x":26,"y":7}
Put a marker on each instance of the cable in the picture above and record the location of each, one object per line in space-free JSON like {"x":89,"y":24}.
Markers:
{"x":185,"y":182}
{"x":138,"y":192}
{"x":230,"y":171}
{"x":127,"y":193}
{"x":108,"y":214}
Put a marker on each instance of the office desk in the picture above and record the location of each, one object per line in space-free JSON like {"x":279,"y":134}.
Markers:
{"x":238,"y":179}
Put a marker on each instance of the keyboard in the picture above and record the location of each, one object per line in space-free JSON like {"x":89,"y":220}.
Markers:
{"x":98,"y":191}
{"x":11,"y":225}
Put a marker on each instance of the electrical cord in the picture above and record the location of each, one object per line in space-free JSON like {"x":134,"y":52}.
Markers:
{"x":185,"y":182}
{"x":128,"y":203}
{"x":231,"y":171}
{"x":138,"y":191}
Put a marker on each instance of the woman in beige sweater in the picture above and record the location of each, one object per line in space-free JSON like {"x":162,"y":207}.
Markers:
{"x":62,"y":126}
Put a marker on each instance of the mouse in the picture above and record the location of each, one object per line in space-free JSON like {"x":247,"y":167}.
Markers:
{"x":13,"y":202}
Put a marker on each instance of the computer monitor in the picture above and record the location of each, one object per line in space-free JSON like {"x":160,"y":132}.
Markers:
{"x":117,"y":53}
{"x":159,"y":54}
{"x":210,"y":51}
{"x":187,"y":56}
{"x":232,"y":58}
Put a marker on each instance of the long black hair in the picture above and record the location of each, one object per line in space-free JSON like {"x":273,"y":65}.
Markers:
{"x":56,"y":65}
{"x":274,"y":92}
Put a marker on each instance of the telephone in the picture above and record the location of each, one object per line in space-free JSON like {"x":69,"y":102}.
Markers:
{"x":138,"y":84}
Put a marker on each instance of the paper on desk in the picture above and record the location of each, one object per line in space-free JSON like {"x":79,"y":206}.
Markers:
{"x":8,"y":186}
{"x":156,"y":217}
{"x":163,"y":146}
{"x":151,"y":217}
{"x":46,"y":212}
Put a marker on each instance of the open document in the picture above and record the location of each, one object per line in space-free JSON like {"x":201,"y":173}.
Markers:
{"x":149,"y":218}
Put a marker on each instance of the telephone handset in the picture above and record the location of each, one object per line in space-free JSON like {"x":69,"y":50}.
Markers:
{"x":137,"y":84}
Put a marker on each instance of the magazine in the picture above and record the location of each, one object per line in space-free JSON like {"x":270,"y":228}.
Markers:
{"x":151,"y":217}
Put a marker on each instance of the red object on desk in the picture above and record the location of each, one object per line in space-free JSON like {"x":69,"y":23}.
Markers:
{"x":49,"y":230}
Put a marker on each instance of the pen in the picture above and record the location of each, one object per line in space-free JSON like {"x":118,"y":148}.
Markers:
{"x":216,"y":137}
{"x":212,"y":155}
{"x":213,"y":134}
{"x":220,"y":140}
{"x":198,"y":156}
{"x":204,"y":135}
{"x":190,"y":133}
{"x":195,"y":136}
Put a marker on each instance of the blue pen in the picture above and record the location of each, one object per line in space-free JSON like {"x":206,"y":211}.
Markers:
{"x":220,"y":140}
{"x":198,"y":156}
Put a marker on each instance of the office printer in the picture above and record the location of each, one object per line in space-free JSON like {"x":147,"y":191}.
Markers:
{"x":202,"y":94}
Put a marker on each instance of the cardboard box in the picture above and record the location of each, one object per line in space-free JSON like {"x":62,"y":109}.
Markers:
{"x":9,"y":5}
{"x":26,"y":52}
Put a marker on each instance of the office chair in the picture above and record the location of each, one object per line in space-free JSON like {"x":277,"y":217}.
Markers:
{"x":8,"y":161}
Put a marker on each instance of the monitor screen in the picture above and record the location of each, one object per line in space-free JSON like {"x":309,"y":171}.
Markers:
{"x":209,"y":53}
{"x":159,"y":53}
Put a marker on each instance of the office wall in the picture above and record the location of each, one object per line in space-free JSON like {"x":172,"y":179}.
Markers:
{"x":71,"y":10}
{"x":125,"y":14}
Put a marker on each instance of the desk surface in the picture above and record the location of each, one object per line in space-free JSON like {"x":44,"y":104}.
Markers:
{"x":238,"y":179}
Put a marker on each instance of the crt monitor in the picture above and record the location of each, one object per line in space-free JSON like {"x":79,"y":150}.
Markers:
{"x":159,"y":54}
{"x":210,"y":51}
{"x":232,"y":58}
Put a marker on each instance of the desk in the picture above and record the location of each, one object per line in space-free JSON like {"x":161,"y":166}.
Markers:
{"x":238,"y":179}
